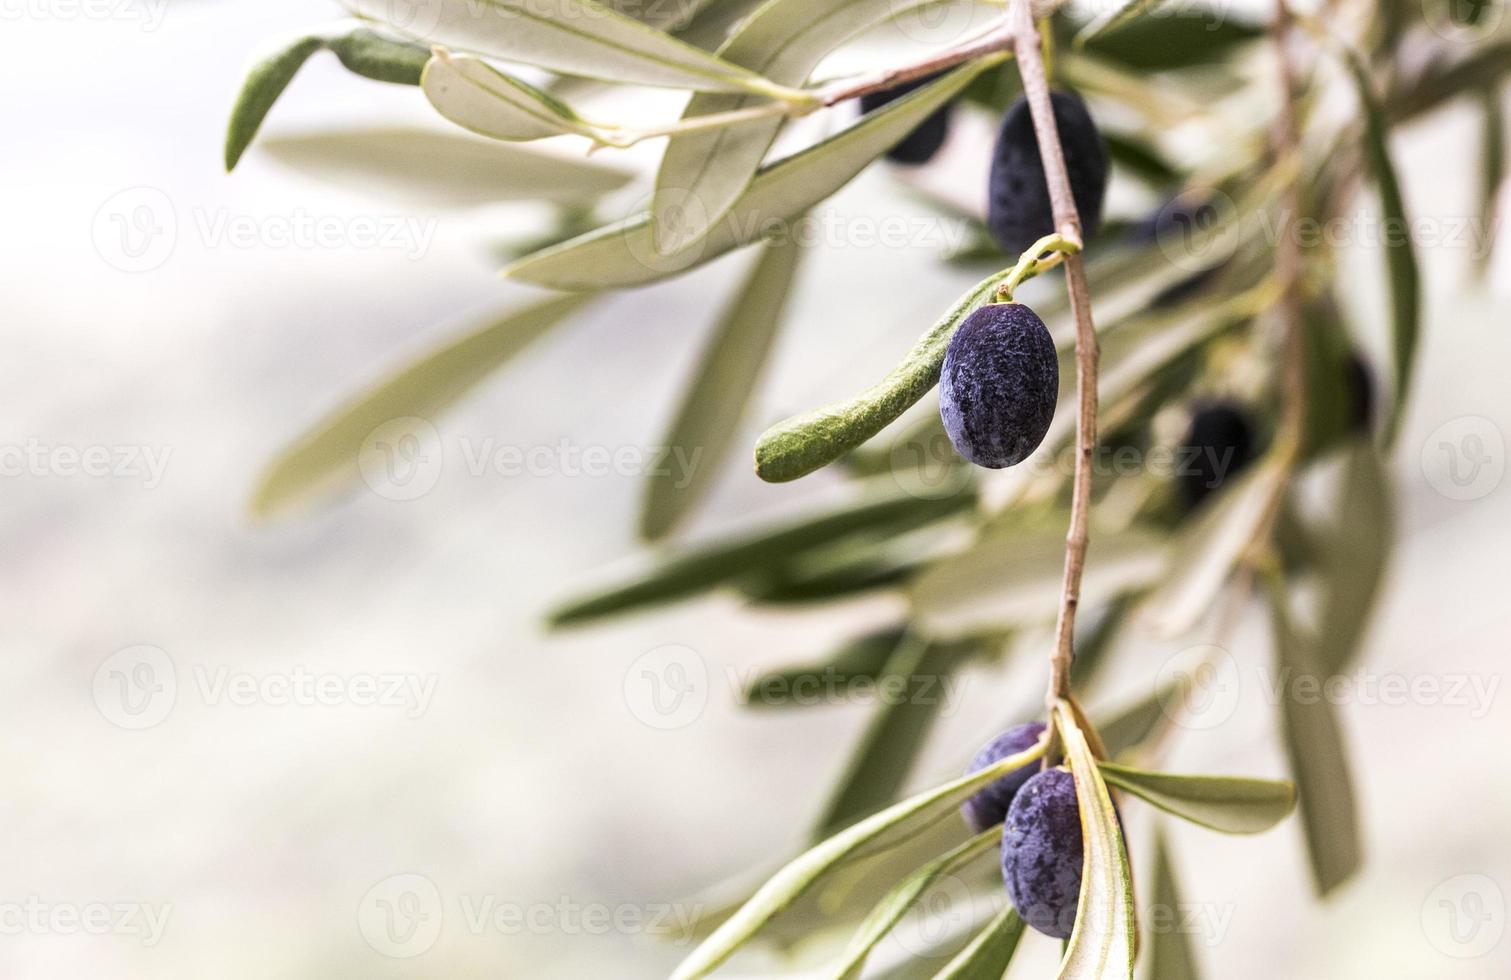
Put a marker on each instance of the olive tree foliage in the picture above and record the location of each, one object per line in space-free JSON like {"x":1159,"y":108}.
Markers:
{"x":1249,"y":131}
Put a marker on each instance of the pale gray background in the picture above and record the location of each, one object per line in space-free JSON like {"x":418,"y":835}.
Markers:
{"x":530,"y":780}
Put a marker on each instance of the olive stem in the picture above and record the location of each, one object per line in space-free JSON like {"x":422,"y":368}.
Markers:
{"x":1027,"y":46}
{"x":996,"y":40}
{"x":1033,"y":262}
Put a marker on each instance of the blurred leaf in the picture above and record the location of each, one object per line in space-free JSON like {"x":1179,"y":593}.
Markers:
{"x":1319,"y":760}
{"x":478,"y":97}
{"x":1230,"y":804}
{"x":362,"y":51}
{"x":896,"y":904}
{"x":1015,"y":580}
{"x":326,"y":456}
{"x":1102,"y":944}
{"x":1355,"y":551}
{"x":1140,"y":158}
{"x":444,"y":169}
{"x":1442,"y":80}
{"x":879,"y":768}
{"x":1137,"y":722}
{"x":714,"y":21}
{"x":846,"y":570}
{"x":1492,"y":172}
{"x":863,"y":658}
{"x":1400,"y":251}
{"x":663,"y":16}
{"x":896,"y":822}
{"x":990,"y":954}
{"x":711,"y":411}
{"x":1176,"y":39}
{"x":622,"y":255}
{"x":707,"y":566}
{"x":1096,"y":630}
{"x":704,"y":173}
{"x":1329,"y":400}
{"x":1210,"y":546}
{"x":1115,"y":17}
{"x":799,"y":445}
{"x":573,"y":37}
{"x":1170,"y":954}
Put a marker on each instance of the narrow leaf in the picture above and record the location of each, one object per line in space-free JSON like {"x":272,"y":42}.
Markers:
{"x":1354,"y":557}
{"x":990,"y":954}
{"x":476,"y":96}
{"x":1102,"y":943}
{"x":704,"y":173}
{"x":861,"y":659}
{"x":1319,"y":761}
{"x":882,"y":762}
{"x":573,"y":37}
{"x":1137,"y":723}
{"x":1400,"y":251}
{"x":1230,"y":804}
{"x":362,"y":51}
{"x":1181,"y":38}
{"x":711,"y":411}
{"x":623,"y":255}
{"x":1209,"y":548}
{"x":1114,"y":18}
{"x":705,"y":567}
{"x":1015,"y":579}
{"x":1170,"y":954}
{"x":1492,"y":173}
{"x":804,"y":443}
{"x":796,"y":878}
{"x":326,"y":457}
{"x":437,"y":169}
{"x":896,"y":904}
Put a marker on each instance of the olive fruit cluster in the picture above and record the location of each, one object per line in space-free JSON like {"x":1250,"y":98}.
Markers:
{"x":1001,"y":375}
{"x":1041,"y":832}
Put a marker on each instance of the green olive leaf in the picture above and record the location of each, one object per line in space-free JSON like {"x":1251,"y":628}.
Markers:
{"x":704,"y":173}
{"x":438,"y":169}
{"x":1114,"y":18}
{"x":622,"y":255}
{"x":573,"y":37}
{"x":1170,"y":953}
{"x":1184,"y":37}
{"x":783,"y":888}
{"x":1492,"y":171}
{"x":890,"y":910}
{"x":326,"y":457}
{"x":862,"y":658}
{"x":481,"y":98}
{"x":723,"y":381}
{"x":362,"y":51}
{"x":988,"y":956}
{"x":804,"y":443}
{"x":1136,"y":723}
{"x":1400,"y":251}
{"x":1209,"y":548}
{"x":1102,"y":944}
{"x":1015,"y":579}
{"x":1319,"y":761}
{"x":882,"y":762}
{"x":707,"y":566}
{"x":1230,"y":804}
{"x":1354,"y":556}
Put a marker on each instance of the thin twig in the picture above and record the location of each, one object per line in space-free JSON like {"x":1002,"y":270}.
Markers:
{"x":998,"y":38}
{"x":1068,"y":220}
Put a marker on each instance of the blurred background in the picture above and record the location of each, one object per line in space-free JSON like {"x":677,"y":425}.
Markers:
{"x":240,"y":749}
